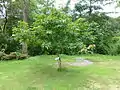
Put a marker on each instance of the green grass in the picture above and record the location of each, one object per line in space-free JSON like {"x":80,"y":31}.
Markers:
{"x":40,"y":73}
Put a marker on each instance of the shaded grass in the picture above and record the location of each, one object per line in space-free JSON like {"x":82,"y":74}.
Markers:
{"x":39,"y":73}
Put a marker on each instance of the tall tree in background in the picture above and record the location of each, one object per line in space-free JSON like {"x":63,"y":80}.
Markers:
{"x":66,"y":8}
{"x":45,"y":5}
{"x":25,"y":19}
{"x":11,"y":11}
{"x":4,"y":14}
{"x":86,"y":7}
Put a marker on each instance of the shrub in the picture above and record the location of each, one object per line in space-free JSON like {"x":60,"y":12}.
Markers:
{"x":112,"y":47}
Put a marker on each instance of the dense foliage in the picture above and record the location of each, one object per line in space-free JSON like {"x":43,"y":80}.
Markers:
{"x":53,"y":31}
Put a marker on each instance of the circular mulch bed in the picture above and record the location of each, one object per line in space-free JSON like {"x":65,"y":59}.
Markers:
{"x":80,"y":63}
{"x":77,"y":63}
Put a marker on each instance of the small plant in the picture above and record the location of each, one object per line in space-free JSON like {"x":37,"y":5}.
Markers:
{"x":59,"y":62}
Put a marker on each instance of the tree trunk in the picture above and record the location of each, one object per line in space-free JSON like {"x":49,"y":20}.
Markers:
{"x":4,"y":26}
{"x":25,"y":11}
{"x":5,"y":15}
{"x":90,"y":8}
{"x":25,"y":19}
{"x":24,"y":48}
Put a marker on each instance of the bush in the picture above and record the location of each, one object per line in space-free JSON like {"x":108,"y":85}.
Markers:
{"x":34,"y":50}
{"x":112,"y":47}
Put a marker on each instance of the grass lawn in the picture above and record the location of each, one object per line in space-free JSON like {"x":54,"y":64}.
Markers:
{"x":39,"y":73}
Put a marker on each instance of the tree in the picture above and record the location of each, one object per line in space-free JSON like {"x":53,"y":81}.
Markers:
{"x":25,"y":19}
{"x":66,"y":8}
{"x":4,"y":15}
{"x":86,"y":7}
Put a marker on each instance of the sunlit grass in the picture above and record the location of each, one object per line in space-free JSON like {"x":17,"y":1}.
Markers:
{"x":39,"y":73}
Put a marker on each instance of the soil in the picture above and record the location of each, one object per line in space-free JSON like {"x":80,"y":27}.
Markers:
{"x":77,"y":63}
{"x":81,"y":63}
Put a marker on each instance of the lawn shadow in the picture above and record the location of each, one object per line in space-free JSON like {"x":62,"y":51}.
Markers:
{"x":71,"y":75}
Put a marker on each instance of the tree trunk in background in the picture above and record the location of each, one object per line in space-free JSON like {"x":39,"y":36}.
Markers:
{"x":24,"y":48}
{"x":90,"y":8}
{"x":25,"y":19}
{"x":25,"y":10}
{"x":5,"y":16}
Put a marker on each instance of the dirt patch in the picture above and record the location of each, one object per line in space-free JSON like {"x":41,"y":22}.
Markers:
{"x":81,"y":63}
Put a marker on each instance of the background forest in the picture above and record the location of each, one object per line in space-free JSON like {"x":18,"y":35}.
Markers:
{"x":37,"y":27}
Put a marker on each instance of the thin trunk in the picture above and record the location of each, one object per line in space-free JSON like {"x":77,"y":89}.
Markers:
{"x":90,"y":8}
{"x":5,"y":23}
{"x":4,"y":26}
